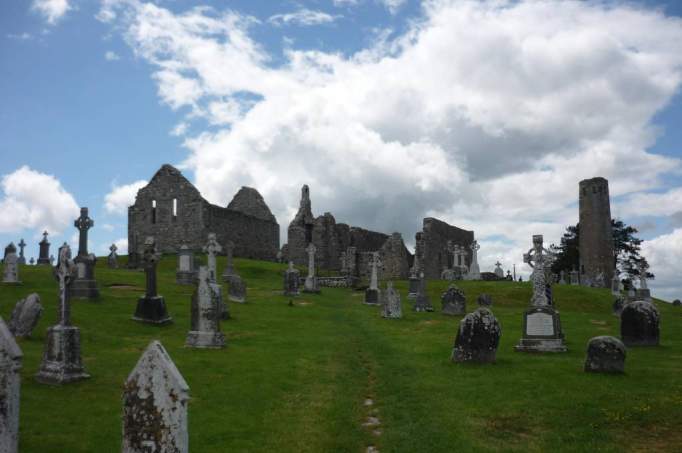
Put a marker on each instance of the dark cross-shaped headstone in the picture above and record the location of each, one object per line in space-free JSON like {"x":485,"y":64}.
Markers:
{"x":151,"y":259}
{"x":83,"y":223}
{"x":22,"y":258}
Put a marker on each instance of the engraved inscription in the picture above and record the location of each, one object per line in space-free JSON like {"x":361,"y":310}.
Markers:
{"x":541,"y":324}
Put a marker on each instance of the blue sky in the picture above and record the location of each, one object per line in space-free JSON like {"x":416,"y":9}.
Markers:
{"x":390,"y":110}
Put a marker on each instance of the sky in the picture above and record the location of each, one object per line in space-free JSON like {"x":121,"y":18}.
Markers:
{"x":485,"y":114}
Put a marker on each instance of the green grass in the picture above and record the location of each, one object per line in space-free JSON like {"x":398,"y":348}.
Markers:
{"x":294,"y":379}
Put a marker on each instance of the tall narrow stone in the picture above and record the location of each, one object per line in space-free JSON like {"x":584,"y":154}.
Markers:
{"x":206,"y":311}
{"x":391,"y":307}
{"x":10,"y":272}
{"x":62,"y":354}
{"x":474,"y":269}
{"x":291,"y":280}
{"x":44,"y":254}
{"x":310,"y":285}
{"x":212,"y":248}
{"x":151,"y":308}
{"x":22,"y":259}
{"x":229,"y":266}
{"x":112,"y":259}
{"x":596,"y":235}
{"x":185,"y":273}
{"x":10,"y":365}
{"x":84,"y":285}
{"x":155,"y":398}
{"x":372,"y":293}
{"x":422,"y":302}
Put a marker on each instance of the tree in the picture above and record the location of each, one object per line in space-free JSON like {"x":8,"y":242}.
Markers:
{"x":626,"y":248}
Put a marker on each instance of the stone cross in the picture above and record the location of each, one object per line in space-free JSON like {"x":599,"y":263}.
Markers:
{"x":22,"y":258}
{"x":454,"y":250}
{"x":642,"y":276}
{"x":64,"y":273}
{"x":540,"y":259}
{"x":155,"y":400}
{"x":311,"y":249}
{"x":212,"y":249}
{"x":10,"y":365}
{"x":151,"y":259}
{"x":83,"y":223}
{"x":475,"y":270}
{"x":113,"y":249}
{"x":374,"y":279}
{"x":229,"y":267}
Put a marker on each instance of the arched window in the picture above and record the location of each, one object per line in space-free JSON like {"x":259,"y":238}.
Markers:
{"x":153,"y":211}
{"x":175,"y":209}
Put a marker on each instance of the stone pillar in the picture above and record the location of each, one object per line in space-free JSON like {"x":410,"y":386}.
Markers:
{"x":474,"y":269}
{"x":291,"y":280}
{"x":155,"y":400}
{"x":310,"y":285}
{"x":229,"y":267}
{"x":10,"y":274}
{"x":372,"y":294}
{"x":10,"y":365}
{"x":596,"y":235}
{"x":44,"y":255}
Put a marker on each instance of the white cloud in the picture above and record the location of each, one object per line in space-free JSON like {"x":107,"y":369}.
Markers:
{"x":111,"y":56}
{"x":108,"y":227}
{"x":663,"y":255}
{"x":51,"y":10}
{"x":20,"y":36}
{"x":180,"y":129}
{"x":304,"y":17}
{"x":36,"y":201}
{"x":120,"y":197}
{"x":393,"y":5}
{"x":342,"y":3}
{"x":483,"y":113}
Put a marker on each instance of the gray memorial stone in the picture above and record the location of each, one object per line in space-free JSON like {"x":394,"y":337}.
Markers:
{"x":574,"y":277}
{"x":474,"y":269}
{"x":391,"y":307}
{"x":605,"y":355}
{"x":311,"y":285}
{"x":422,"y":302}
{"x":185,"y":273}
{"x":10,"y":366}
{"x":291,"y":280}
{"x":25,"y":316}
{"x":413,"y":281}
{"x":44,"y":254}
{"x":212,"y":248}
{"x":112,"y":259}
{"x":151,"y":308}
{"x":499,"y":272}
{"x":373,"y":293}
{"x":477,"y":338}
{"x":206,"y":312}
{"x":22,"y":259}
{"x":454,"y":301}
{"x":10,"y":273}
{"x":84,"y":285}
{"x":62,"y":354}
{"x":155,"y":398}
{"x":229,"y":266}
{"x":236,"y":289}
{"x":640,"y":324}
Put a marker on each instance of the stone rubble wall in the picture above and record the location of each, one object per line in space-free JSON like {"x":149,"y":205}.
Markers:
{"x":434,"y":241}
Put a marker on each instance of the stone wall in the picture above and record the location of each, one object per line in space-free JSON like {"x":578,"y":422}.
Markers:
{"x":596,"y":235}
{"x":395,"y":258}
{"x":434,"y":255}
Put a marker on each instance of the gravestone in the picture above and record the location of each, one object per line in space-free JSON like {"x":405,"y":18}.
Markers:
{"x":605,"y":355}
{"x":84,"y":285}
{"x":454,"y":301}
{"x":236,"y":289}
{"x":541,"y":323}
{"x":212,"y":248}
{"x":112,"y":259}
{"x":474,"y":270}
{"x":640,"y":324}
{"x":229,"y":266}
{"x":615,"y":285}
{"x":372,"y":294}
{"x":151,"y":308}
{"x":391,"y":307}
{"x":25,"y":316}
{"x":206,"y":312}
{"x":22,"y":259}
{"x":10,"y":384}
{"x":185,"y":273}
{"x":62,"y":354}
{"x":618,"y":305}
{"x":311,"y":285}
{"x":133,"y":252}
{"x":10,"y":273}
{"x":643,"y":292}
{"x":477,"y":338}
{"x":155,"y":398}
{"x":51,"y":260}
{"x":422,"y":302}
{"x":413,"y":282}
{"x":499,"y":273}
{"x":44,"y":254}
{"x":562,"y":277}
{"x":291,"y":280}
{"x":484,"y":300}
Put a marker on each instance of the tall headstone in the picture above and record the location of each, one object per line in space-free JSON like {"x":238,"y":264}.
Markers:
{"x":413,"y":282}
{"x":212,"y":248}
{"x":84,"y":285}
{"x":112,"y":259}
{"x":25,"y":316}
{"x":474,"y":269}
{"x":229,"y":266}
{"x":206,"y":312}
{"x":44,"y":254}
{"x":640,"y":324}
{"x":10,"y":366}
{"x":62,"y":354}
{"x":499,"y":272}
{"x":422,"y":302}
{"x":454,"y":301}
{"x":605,"y":355}
{"x":10,"y":272}
{"x":372,"y":294}
{"x":185,"y":274}
{"x":155,"y":398}
{"x":596,"y":235}
{"x":541,"y":323}
{"x":477,"y":338}
{"x":391,"y":307}
{"x":236,"y":289}
{"x":643,"y":292}
{"x":22,"y":259}
{"x":310,"y":285}
{"x":291,"y":280}
{"x":151,"y":308}
{"x":562,"y":277}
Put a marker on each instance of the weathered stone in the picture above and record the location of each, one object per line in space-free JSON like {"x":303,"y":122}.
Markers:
{"x":432,"y":246}
{"x":574,"y":277}
{"x":373,"y":293}
{"x":44,"y":254}
{"x":605,"y":355}
{"x":206,"y":312}
{"x":185,"y":273}
{"x":21,"y":259}
{"x":454,"y":301}
{"x":618,"y":304}
{"x":477,"y":338}
{"x":112,"y":259}
{"x":212,"y":248}
{"x":395,"y":258}
{"x":474,"y":269}
{"x":236,"y":289}
{"x":172,"y":210}
{"x":155,"y":398}
{"x":615,"y":285}
{"x":10,"y":274}
{"x":484,"y":300}
{"x":151,"y":308}
{"x":596,"y":236}
{"x":391,"y":307}
{"x":310,"y":285}
{"x":229,"y":265}
{"x":291,"y":280}
{"x":10,"y":366}
{"x":62,"y":354}
{"x":422,"y":301}
{"x":640,"y":324}
{"x":499,"y":272}
{"x":25,"y":316}
{"x":84,"y":285}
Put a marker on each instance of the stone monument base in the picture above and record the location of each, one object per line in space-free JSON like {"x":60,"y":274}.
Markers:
{"x":84,"y":289}
{"x":152,"y":310}
{"x":643,"y":294}
{"x":311,"y":285}
{"x":185,"y":278}
{"x":541,"y":331}
{"x":205,"y":340}
{"x":372,"y":296}
{"x":62,"y":357}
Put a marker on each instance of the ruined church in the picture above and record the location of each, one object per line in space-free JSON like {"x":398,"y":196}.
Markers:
{"x":172,"y":210}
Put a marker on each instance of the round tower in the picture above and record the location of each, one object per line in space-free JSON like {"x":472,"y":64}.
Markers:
{"x":596,"y":236}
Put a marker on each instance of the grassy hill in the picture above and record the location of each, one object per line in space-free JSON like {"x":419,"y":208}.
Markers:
{"x":297,"y":379}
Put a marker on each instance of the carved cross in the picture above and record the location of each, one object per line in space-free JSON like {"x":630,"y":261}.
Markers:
{"x":83,"y":223}
{"x":64,"y":273}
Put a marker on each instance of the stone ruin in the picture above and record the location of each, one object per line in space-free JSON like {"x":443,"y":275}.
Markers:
{"x":434,"y":248}
{"x":206,"y":313}
{"x":596,"y":236}
{"x":172,"y":210}
{"x":25,"y":316}
{"x":10,"y":367}
{"x":605,"y":354}
{"x":155,"y":398}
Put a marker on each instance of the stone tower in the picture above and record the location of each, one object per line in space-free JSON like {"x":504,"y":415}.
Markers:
{"x":596,"y":236}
